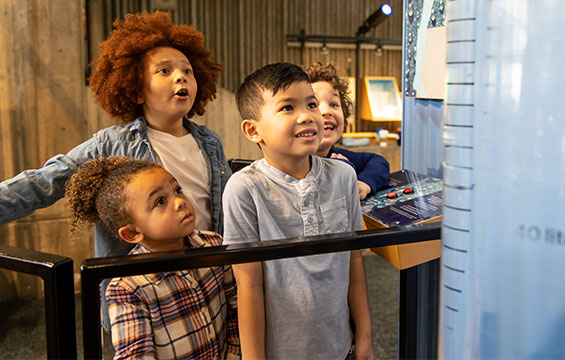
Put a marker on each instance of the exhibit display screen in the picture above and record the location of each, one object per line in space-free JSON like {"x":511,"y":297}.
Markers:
{"x":381,"y":99}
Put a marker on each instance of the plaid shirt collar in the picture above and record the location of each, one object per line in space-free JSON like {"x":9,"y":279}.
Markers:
{"x":192,"y":241}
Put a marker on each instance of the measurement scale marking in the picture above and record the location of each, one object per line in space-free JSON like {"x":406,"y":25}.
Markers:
{"x":456,"y":104}
{"x":461,"y":41}
{"x":459,"y":126}
{"x":454,"y":269}
{"x":461,"y":19}
{"x":472,"y":62}
{"x":458,"y":146}
{"x":452,"y":289}
{"x":459,"y":166}
{"x":455,"y":229}
{"x":454,"y":249}
{"x":451,"y":308}
{"x":459,"y":187}
{"x":456,"y":208}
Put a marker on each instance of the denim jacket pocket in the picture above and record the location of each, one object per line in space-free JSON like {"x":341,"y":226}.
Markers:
{"x":336,"y":218}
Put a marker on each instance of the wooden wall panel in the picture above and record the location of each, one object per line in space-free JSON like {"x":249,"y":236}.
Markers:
{"x":42,"y":113}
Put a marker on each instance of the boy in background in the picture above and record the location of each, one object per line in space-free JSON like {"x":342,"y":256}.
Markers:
{"x":296,"y":308}
{"x":335,"y":105}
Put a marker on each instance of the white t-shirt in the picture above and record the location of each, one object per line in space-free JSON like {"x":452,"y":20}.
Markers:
{"x":182,"y":157}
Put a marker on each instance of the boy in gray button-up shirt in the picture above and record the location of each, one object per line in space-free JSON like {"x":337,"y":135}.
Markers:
{"x":296,"y":308}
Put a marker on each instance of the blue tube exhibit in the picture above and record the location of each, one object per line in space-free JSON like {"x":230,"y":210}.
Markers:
{"x":503,"y":232}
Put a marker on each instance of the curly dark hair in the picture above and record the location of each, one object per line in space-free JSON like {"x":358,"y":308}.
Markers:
{"x":95,"y":192}
{"x":117,"y":76}
{"x":327,"y":72}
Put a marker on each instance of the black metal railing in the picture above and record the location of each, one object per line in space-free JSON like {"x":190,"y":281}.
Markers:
{"x":93,"y":271}
{"x":59,"y":293}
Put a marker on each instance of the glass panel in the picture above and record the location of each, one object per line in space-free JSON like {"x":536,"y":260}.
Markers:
{"x":384,"y":99}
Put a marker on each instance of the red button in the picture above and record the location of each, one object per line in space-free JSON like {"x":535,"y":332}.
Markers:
{"x":408,"y":191}
{"x":391,"y":195}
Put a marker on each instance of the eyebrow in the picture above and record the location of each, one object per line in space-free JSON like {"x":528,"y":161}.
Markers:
{"x":168,"y":61}
{"x":290,"y":98}
{"x":155,"y":191}
{"x":159,"y":188}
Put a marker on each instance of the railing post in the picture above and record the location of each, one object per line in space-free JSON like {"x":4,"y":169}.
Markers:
{"x":91,"y":327}
{"x":59,"y":292}
{"x":60,"y":316}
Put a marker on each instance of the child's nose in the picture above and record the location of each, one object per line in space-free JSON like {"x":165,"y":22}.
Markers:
{"x":325,"y":110}
{"x":305,"y":118}
{"x":180,"y":202}
{"x":180,"y":76}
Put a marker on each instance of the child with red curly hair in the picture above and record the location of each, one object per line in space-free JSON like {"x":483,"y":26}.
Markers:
{"x":154,"y":76}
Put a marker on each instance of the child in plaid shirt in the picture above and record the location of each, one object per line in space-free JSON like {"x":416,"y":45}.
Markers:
{"x":173,"y":315}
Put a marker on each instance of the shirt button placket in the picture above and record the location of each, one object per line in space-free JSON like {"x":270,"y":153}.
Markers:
{"x":308,"y":211}
{"x":208,"y":321}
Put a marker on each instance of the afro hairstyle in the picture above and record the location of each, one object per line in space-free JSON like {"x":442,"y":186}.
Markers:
{"x":117,"y":76}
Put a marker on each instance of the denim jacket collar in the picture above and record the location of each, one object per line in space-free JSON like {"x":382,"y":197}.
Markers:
{"x":140,"y":125}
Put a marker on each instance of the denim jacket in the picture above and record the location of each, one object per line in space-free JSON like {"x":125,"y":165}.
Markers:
{"x":34,"y":189}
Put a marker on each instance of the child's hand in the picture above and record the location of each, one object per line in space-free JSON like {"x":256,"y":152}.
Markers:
{"x":363,"y":348}
{"x":364,"y":189}
{"x":338,"y":156}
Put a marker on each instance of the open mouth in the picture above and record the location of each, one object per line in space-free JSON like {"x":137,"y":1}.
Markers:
{"x":329,"y":127}
{"x":182,"y":92}
{"x":306,"y":133}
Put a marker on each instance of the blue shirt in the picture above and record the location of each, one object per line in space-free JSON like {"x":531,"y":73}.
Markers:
{"x":371,"y":168}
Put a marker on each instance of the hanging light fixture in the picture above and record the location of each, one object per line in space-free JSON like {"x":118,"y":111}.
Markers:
{"x":324,"y":50}
{"x":382,"y":13}
{"x":379,"y":50}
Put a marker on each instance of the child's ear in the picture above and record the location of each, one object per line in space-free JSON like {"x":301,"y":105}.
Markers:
{"x":249,"y":128}
{"x":130,"y":234}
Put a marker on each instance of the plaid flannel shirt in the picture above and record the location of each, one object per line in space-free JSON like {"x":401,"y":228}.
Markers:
{"x":178,"y":314}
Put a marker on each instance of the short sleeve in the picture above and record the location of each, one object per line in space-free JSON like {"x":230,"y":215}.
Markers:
{"x":240,"y":212}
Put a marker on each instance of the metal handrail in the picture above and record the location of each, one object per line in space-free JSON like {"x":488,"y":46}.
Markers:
{"x":93,"y":271}
{"x":59,"y":292}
